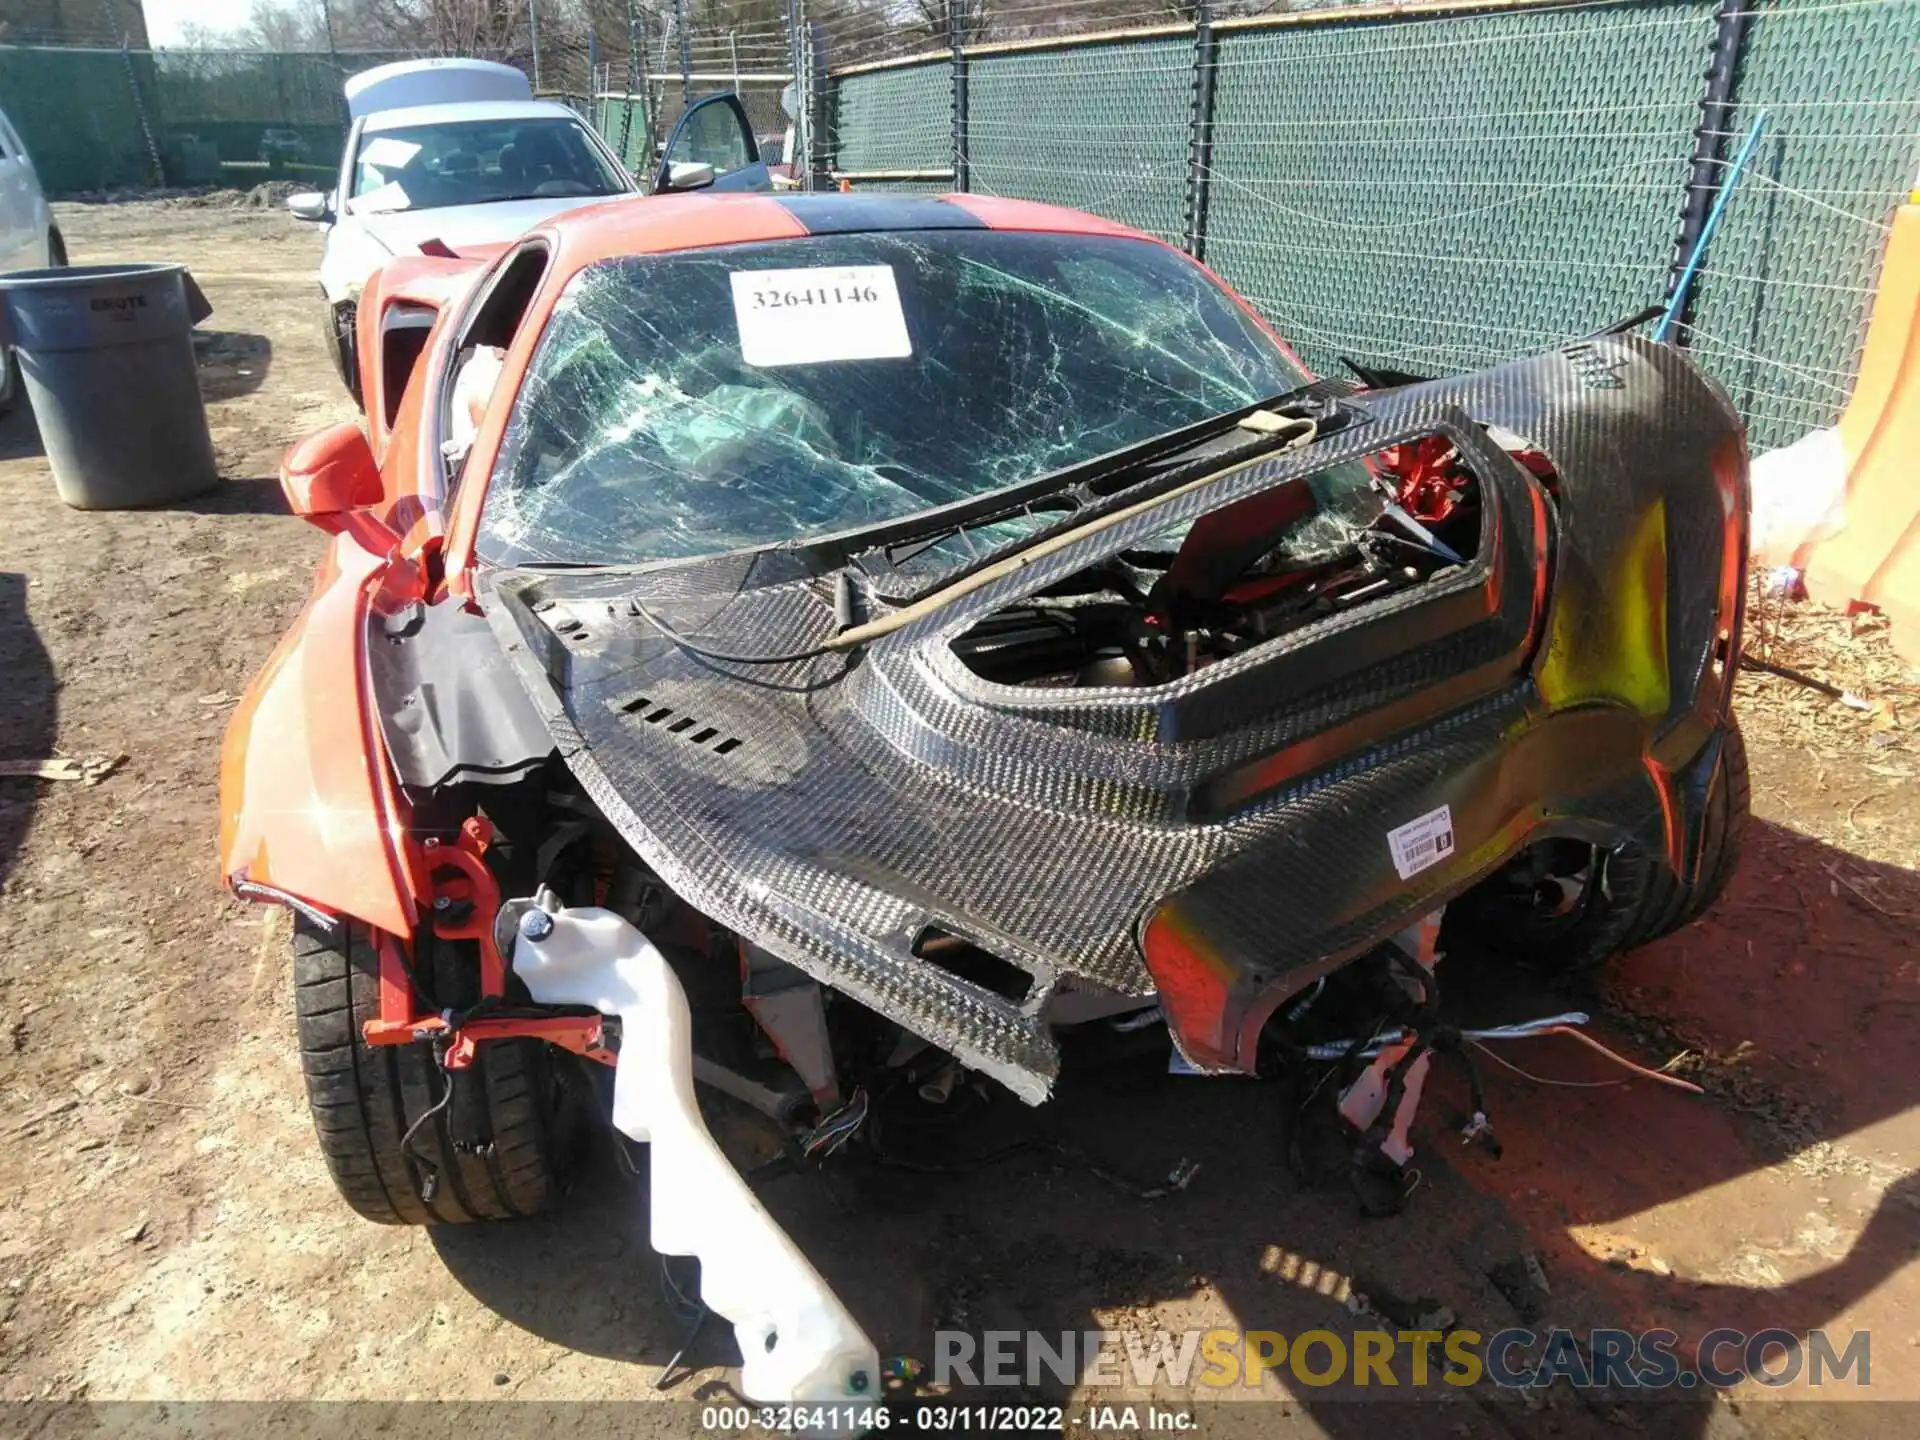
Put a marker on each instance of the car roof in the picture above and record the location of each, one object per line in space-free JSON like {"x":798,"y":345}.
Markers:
{"x":455,"y":112}
{"x":435,"y":81}
{"x":656,"y":225}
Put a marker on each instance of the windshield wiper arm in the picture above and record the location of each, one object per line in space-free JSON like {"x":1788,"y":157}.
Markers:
{"x":1103,"y":475}
{"x":1095,"y":485}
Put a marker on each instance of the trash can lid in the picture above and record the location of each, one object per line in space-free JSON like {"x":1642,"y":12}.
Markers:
{"x":85,"y":306}
{"x":81,"y":274}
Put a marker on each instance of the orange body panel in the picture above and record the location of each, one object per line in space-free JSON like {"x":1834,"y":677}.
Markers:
{"x":306,"y":803}
{"x":428,"y":281}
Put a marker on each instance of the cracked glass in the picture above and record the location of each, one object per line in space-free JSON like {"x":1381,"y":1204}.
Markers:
{"x":641,"y":432}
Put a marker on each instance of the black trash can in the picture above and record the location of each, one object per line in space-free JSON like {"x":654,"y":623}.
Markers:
{"x":106,"y":352}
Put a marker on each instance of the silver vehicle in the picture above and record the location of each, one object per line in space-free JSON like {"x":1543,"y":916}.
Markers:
{"x":458,"y":153}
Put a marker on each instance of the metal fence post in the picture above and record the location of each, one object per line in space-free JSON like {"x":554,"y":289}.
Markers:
{"x":533,"y":38}
{"x":649,"y":117}
{"x":957,"y":44}
{"x":800,"y":151}
{"x":1200,"y":132}
{"x":1709,"y":142}
{"x":686,"y":52}
{"x":819,"y":158}
{"x":593,"y":80}
{"x":634,"y":66}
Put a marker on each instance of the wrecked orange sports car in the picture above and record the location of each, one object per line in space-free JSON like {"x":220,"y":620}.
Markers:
{"x":820,"y":647}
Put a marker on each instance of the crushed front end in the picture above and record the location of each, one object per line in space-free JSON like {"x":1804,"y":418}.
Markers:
{"x":1207,"y":739}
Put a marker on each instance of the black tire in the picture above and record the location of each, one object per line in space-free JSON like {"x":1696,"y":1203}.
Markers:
{"x":1624,"y":898}
{"x":342,"y":347}
{"x":365,"y":1097}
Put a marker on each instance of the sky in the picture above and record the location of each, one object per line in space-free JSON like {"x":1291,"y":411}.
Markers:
{"x":165,"y":17}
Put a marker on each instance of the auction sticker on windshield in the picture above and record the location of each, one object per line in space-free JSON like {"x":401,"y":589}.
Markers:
{"x":808,"y":317}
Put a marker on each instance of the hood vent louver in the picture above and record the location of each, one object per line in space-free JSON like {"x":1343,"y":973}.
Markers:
{"x":687,"y":727}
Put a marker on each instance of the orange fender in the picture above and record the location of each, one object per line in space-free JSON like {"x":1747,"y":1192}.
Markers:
{"x":307,"y":804}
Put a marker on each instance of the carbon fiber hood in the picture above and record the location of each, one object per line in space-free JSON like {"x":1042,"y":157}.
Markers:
{"x":833,"y":810}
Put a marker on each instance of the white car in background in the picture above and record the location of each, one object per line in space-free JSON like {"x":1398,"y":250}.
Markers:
{"x":29,"y":240}
{"x":456,"y":151}
{"x":460,"y":153}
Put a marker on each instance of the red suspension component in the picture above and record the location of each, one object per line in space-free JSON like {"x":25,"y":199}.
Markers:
{"x":1428,"y":475}
{"x":465,"y":899}
{"x":465,"y":902}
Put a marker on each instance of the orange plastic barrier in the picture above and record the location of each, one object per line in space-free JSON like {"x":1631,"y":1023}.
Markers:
{"x":1875,"y":557}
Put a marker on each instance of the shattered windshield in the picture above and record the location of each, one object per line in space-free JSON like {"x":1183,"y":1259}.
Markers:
{"x":747,"y":395}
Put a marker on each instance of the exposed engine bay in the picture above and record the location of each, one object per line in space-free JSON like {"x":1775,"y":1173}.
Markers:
{"x":684,"y":1003}
{"x":1266,"y":567}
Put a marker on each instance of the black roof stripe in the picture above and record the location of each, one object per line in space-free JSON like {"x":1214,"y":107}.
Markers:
{"x":842,"y":214}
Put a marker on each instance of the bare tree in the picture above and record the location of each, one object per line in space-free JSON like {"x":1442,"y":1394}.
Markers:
{"x":497,"y":29}
{"x":287,"y":25}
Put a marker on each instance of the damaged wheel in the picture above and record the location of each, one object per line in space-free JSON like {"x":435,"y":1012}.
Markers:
{"x":408,"y":1142}
{"x":1570,"y":907}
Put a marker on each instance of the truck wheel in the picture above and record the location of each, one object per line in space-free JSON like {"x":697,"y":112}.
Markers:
{"x":501,"y":1148}
{"x":1568,"y":907}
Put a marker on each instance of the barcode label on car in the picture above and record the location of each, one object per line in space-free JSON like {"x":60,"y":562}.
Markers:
{"x":1423,"y":842}
{"x":809,"y":317}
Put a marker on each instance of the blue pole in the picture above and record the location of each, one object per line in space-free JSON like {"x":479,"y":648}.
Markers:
{"x":1685,"y":283}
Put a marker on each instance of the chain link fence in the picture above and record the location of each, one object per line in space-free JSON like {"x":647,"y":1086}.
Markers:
{"x":1431,"y":187}
{"x":1439,"y":196}
{"x":1097,"y":127}
{"x":104,"y":118}
{"x":1782,"y":306}
{"x":1438,"y":187}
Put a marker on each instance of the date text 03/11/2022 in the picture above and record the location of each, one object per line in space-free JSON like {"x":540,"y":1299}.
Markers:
{"x":942,"y":1419}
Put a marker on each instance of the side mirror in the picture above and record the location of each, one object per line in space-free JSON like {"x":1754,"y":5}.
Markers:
{"x":309,"y":205}
{"x":330,"y":474}
{"x":689,"y":175}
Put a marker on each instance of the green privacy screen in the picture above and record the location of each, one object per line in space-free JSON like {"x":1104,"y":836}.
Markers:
{"x":1098,"y":127}
{"x":1433,"y":193}
{"x":99,"y":119}
{"x":621,"y":119}
{"x":898,"y":119}
{"x":1438,"y":193}
{"x":1782,"y":307}
{"x":74,"y":110}
{"x":1442,"y":194}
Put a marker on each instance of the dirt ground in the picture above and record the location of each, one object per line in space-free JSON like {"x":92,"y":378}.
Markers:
{"x":168,"y":1232}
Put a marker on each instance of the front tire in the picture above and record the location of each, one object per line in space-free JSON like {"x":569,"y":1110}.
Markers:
{"x":1564,"y":907}
{"x":365,"y":1098}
